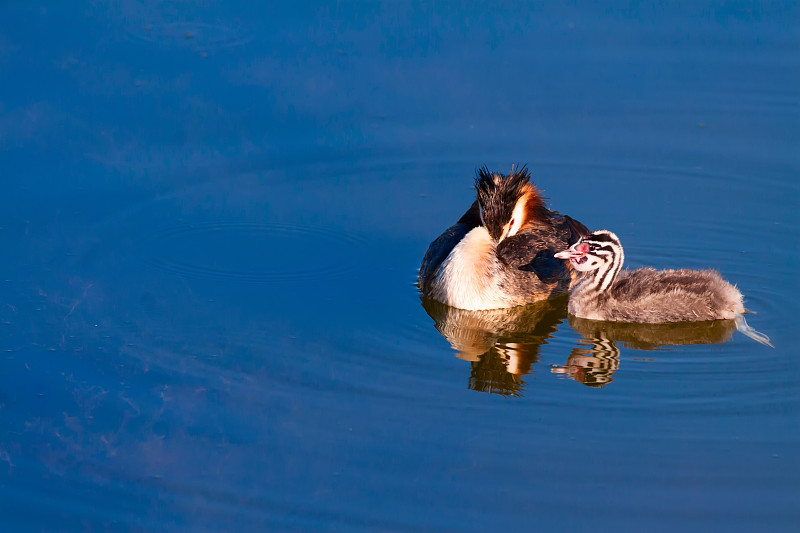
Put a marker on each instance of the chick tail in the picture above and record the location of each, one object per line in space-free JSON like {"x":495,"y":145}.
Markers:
{"x":743,"y":327}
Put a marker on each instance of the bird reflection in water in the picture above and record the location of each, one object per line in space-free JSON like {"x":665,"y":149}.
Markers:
{"x":594,"y":363}
{"x":502,"y":345}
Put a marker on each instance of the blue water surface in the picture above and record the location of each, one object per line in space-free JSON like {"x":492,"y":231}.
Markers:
{"x":211,"y":221}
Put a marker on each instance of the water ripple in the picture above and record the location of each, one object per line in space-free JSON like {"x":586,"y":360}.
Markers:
{"x":194,"y":35}
{"x":225,"y":250}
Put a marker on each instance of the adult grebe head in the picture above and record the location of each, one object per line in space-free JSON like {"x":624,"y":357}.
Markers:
{"x":509,"y":203}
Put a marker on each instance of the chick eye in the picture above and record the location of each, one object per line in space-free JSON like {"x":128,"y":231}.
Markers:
{"x":511,"y":224}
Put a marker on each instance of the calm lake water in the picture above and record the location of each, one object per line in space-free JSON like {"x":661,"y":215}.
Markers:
{"x":211,"y":221}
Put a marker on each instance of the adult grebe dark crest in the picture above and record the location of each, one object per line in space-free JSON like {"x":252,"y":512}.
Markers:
{"x":601,"y":290}
{"x":501,"y":253}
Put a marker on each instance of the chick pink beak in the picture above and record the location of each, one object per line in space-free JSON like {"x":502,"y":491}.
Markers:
{"x":568,"y":254}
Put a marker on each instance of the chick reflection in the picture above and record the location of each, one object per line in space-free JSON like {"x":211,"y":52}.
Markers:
{"x":501,"y":344}
{"x":595,"y":363}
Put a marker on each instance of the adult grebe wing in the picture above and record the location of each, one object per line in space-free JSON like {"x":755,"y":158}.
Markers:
{"x":529,"y":252}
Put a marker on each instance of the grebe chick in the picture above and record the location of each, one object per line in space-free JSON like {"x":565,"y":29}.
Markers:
{"x":501,"y":253}
{"x":601,"y":290}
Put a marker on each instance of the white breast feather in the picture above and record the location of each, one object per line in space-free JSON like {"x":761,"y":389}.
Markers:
{"x":467,"y":279}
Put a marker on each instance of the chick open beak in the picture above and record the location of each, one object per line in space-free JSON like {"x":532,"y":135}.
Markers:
{"x":568,"y":254}
{"x":573,"y":255}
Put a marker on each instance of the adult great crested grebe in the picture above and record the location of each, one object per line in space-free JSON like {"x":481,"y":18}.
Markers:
{"x":601,"y":290}
{"x":501,"y":253}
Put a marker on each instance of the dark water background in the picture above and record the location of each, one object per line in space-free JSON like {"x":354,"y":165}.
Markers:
{"x":211,"y":219}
